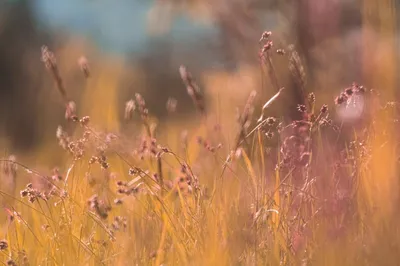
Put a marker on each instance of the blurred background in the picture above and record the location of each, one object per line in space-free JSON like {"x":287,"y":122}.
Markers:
{"x":138,"y":45}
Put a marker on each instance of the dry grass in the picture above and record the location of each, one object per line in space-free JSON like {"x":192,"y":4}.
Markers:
{"x":267,"y":190}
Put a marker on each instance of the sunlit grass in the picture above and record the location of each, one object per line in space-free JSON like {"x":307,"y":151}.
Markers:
{"x":218,"y":189}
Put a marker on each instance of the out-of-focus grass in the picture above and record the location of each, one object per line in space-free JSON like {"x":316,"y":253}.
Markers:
{"x":210,"y":210}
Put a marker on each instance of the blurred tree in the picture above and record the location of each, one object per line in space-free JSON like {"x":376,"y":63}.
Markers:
{"x":318,"y":29}
{"x":238,"y":23}
{"x":18,"y":86}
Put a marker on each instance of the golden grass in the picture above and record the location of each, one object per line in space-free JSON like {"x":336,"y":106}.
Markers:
{"x":188,"y":205}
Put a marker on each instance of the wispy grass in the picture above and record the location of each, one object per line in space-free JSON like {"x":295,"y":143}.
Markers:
{"x":304,"y":192}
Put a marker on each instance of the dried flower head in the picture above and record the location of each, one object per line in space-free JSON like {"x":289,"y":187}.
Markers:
{"x":269,"y":134}
{"x":84,"y":121}
{"x":133,"y":171}
{"x":361,"y":89}
{"x":324,"y":108}
{"x":84,"y":65}
{"x":48,"y":58}
{"x":119,"y":222}
{"x":301,"y":108}
{"x":118,"y":201}
{"x":141,"y":107}
{"x":56,"y":175}
{"x":51,"y":64}
{"x":171,"y":105}
{"x":311,"y":98}
{"x":271,"y":121}
{"x":267,"y":47}
{"x":280,"y":52}
{"x":99,"y":206}
{"x":296,"y":68}
{"x":349,"y":91}
{"x":244,"y":118}
{"x":3,"y":244}
{"x":70,"y":111}
{"x":34,"y":194}
{"x":104,"y":165}
{"x":63,"y":138}
{"x":192,"y":89}
{"x":341,"y":98}
{"x":130,"y":107}
{"x":265,"y":35}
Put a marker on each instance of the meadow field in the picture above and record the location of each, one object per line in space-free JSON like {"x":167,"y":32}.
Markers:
{"x":267,"y":165}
